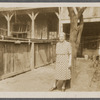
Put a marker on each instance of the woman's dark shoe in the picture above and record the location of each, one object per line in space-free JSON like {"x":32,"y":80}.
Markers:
{"x":63,"y":89}
{"x":53,"y":88}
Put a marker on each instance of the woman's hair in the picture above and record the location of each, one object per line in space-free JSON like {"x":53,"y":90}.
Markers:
{"x":65,"y":35}
{"x":62,"y":34}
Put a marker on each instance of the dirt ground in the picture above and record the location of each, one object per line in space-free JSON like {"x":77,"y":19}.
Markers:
{"x":41,"y":79}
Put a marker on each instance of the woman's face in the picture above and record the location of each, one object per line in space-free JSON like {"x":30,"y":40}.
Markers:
{"x":61,"y":38}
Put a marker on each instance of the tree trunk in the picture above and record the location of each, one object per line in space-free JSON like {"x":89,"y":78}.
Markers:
{"x":75,"y":37}
{"x":74,"y":55}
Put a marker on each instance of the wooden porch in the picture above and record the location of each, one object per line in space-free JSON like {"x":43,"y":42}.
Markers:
{"x":27,"y":39}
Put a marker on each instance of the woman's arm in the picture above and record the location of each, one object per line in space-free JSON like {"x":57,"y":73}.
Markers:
{"x":70,"y":60}
{"x":70,"y":55}
{"x":56,"y":48}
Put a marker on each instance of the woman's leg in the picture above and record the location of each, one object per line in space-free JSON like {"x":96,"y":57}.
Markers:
{"x":64,"y":85}
{"x":54,"y":85}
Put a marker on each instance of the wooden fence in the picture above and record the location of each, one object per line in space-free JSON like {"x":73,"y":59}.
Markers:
{"x":44,"y":54}
{"x":14,"y":58}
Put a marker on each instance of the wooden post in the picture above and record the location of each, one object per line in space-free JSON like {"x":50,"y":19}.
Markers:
{"x":60,"y":29}
{"x":32,"y":56}
{"x":32,"y":34}
{"x":8,"y":17}
{"x":8,"y":26}
{"x":33,"y":17}
{"x":59,"y":20}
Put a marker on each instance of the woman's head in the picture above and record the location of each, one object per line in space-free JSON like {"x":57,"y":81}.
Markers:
{"x":62,"y":36}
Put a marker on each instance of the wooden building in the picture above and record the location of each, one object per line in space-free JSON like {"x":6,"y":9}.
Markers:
{"x":90,"y":41}
{"x":28,"y":39}
{"x":28,"y":36}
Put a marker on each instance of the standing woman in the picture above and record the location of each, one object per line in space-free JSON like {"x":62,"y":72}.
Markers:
{"x":63,"y":62}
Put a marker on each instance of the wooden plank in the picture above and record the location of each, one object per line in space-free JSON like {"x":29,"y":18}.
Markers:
{"x":12,"y":57}
{"x":32,"y":56}
{"x":41,"y":54}
{"x":35,"y":54}
{"x":46,"y":49}
{"x":54,"y":52}
{"x":50,"y":53}
{"x":18,"y":52}
{"x":28,"y":57}
{"x":9,"y":52}
{"x":47,"y":52}
{"x":5,"y":59}
{"x":23,"y":51}
{"x":17,"y":41}
{"x":1,"y":59}
{"x":37,"y":58}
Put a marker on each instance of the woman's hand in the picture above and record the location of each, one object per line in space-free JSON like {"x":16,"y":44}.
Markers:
{"x":69,"y":67}
{"x":69,"y":63}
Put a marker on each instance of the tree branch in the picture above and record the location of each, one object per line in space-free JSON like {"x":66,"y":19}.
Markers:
{"x":71,"y":11}
{"x":80,"y":29}
{"x":80,"y":11}
{"x":81,"y":19}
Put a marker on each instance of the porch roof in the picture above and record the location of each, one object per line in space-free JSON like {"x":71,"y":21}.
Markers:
{"x":21,"y":8}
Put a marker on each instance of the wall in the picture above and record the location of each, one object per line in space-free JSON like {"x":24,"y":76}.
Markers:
{"x":21,"y":24}
{"x":91,"y":14}
{"x":90,"y":52}
{"x":3,"y":25}
{"x":90,"y":38}
{"x":44,"y":24}
{"x":41,"y":29}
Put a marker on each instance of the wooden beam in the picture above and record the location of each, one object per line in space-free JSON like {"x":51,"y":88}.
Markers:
{"x":8,"y":17}
{"x":8,"y":26}
{"x":11,"y":16}
{"x":36,"y":15}
{"x":59,"y":27}
{"x":59,"y":18}
{"x":33,"y":17}
{"x":57,"y":15}
{"x":30,"y":15}
{"x":59,"y":9}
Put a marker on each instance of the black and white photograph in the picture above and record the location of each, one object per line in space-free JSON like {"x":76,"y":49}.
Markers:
{"x":49,"y":47}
